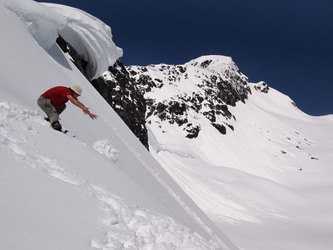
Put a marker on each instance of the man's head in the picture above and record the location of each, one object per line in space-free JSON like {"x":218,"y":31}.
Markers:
{"x":76,"y":89}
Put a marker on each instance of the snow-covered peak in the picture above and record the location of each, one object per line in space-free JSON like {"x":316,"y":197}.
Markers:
{"x":88,"y":35}
{"x":214,"y":63}
{"x":203,"y":87}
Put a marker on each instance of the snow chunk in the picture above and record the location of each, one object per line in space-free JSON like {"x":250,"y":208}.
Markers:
{"x":105,"y":148}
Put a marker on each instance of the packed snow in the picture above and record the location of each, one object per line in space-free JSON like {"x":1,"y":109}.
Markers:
{"x":98,"y":190}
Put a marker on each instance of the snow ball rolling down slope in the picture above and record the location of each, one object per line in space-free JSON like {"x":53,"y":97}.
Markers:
{"x":100,"y":190}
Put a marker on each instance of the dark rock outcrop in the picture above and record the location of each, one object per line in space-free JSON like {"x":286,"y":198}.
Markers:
{"x":118,"y":90}
{"x":124,"y":97}
{"x":198,"y":88}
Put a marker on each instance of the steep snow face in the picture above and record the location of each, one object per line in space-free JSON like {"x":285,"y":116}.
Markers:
{"x":88,"y":35}
{"x":99,"y":190}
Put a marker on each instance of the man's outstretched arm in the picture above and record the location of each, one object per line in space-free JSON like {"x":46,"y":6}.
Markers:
{"x":79,"y":104}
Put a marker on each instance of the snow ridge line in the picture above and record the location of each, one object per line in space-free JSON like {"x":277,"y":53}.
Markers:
{"x":124,"y":226}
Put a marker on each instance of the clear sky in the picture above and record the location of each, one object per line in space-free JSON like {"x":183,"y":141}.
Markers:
{"x":286,"y":43}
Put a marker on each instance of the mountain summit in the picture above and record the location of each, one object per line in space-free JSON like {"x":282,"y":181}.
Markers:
{"x":203,"y":87}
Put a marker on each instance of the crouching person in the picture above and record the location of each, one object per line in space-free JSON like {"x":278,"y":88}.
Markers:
{"x":53,"y":103}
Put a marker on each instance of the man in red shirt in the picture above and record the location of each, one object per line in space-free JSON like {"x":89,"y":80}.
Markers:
{"x":52,"y":102}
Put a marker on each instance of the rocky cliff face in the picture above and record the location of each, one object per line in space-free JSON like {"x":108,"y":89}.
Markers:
{"x":118,"y":89}
{"x":177,"y":94}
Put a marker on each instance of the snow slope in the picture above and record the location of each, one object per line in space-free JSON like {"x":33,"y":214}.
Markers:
{"x":269,"y":183}
{"x":99,"y":190}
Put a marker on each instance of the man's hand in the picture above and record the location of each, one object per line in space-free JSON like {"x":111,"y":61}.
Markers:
{"x":77,"y":103}
{"x":92,"y":116}
{"x":87,"y":112}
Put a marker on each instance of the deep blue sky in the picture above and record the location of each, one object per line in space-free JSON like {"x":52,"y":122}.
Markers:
{"x":286,"y":43}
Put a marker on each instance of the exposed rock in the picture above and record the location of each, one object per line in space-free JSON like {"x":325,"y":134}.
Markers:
{"x":203,"y":87}
{"x":79,"y":62}
{"x":118,"y":90}
{"x":124,"y":97}
{"x":177,"y":94}
{"x":262,"y":87}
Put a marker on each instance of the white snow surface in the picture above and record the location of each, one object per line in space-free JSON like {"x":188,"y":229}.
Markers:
{"x":269,"y":183}
{"x":99,"y":190}
{"x":88,"y":35}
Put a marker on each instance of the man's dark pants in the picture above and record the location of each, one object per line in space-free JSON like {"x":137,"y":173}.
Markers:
{"x":51,"y":111}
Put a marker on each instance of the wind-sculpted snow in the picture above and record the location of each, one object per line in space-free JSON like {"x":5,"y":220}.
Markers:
{"x":41,"y":22}
{"x":88,"y":35}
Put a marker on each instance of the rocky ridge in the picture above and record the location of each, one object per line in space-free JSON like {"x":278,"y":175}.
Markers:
{"x":179,"y":94}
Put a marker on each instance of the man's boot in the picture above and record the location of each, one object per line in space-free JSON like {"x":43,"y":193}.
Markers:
{"x":56,"y":126}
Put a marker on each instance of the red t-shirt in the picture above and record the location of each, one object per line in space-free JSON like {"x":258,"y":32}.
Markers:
{"x":58,"y":95}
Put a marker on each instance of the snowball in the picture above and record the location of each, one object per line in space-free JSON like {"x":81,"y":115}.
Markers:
{"x":105,"y":148}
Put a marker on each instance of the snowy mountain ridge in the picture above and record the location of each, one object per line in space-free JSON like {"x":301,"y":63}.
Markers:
{"x":204,"y":86}
{"x":253,"y":161}
{"x":243,"y":151}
